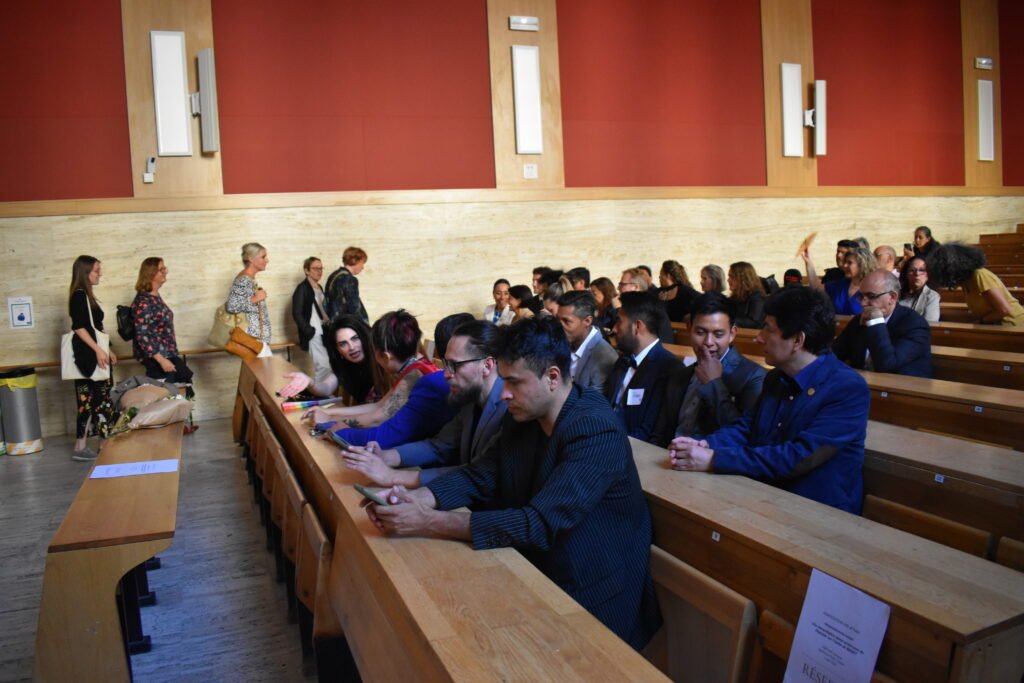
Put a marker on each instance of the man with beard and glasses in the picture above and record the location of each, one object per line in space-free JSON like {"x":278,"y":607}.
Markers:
{"x":475,"y":391}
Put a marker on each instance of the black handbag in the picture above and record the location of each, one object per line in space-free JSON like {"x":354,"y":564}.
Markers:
{"x":125,"y":323}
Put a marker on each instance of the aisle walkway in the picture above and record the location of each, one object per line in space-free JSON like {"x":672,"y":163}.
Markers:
{"x":220,"y":615}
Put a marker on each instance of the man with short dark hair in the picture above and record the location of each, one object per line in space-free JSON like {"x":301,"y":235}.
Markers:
{"x":475,"y":391}
{"x":592,"y":357}
{"x":884,"y":336}
{"x":636,"y":387}
{"x":559,"y":485}
{"x":540,"y":282}
{"x":720,"y":387}
{"x":806,"y":433}
{"x":837,"y":273}
{"x":579,"y":277}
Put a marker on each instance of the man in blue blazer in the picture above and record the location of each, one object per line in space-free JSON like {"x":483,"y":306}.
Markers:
{"x":886,"y":337}
{"x":806,"y":433}
{"x":720,"y":387}
{"x":636,"y":387}
{"x":475,"y":391}
{"x":559,"y":485}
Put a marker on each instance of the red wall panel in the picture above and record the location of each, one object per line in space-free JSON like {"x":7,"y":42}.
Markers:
{"x":320,"y":95}
{"x":662,"y":92}
{"x":895,"y":91}
{"x":1011,"y":48}
{"x":64,"y":117}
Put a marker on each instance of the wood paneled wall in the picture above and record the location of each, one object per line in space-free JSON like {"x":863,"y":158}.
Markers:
{"x":434,"y":259}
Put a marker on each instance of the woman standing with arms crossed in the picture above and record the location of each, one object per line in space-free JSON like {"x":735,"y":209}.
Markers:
{"x":308,"y":314}
{"x":95,"y":411}
{"x":248,"y":297}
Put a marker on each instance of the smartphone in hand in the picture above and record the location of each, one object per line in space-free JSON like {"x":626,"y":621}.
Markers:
{"x":340,"y":442}
{"x":370,"y":495}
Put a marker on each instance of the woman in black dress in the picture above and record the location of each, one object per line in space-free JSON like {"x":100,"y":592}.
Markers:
{"x":676,"y":291}
{"x":95,"y":411}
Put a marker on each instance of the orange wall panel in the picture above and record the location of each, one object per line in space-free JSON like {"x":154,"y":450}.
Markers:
{"x":64,"y":118}
{"x":661,"y":92}
{"x":895,"y":107}
{"x":320,"y":95}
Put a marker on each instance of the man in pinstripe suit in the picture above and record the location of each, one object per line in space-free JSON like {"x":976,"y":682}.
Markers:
{"x":560,"y":485}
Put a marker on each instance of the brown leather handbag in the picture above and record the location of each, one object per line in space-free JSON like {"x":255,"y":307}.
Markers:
{"x":243,"y":344}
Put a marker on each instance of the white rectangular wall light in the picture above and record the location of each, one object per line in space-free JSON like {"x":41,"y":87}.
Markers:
{"x":986,"y":122}
{"x":792,"y":111}
{"x":170,"y":94}
{"x":527,"y":99}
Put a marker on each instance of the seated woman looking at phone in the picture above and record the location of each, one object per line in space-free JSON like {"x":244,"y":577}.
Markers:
{"x":415,"y":408}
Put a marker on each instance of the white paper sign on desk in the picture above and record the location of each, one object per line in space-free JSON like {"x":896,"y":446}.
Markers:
{"x":839,"y":634}
{"x":130,"y":469}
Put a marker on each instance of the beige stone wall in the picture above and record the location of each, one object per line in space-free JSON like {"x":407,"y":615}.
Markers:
{"x":434,"y":259}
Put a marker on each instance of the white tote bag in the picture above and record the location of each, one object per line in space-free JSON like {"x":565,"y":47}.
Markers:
{"x":68,"y":369}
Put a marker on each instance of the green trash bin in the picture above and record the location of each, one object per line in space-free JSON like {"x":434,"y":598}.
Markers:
{"x":19,"y":411}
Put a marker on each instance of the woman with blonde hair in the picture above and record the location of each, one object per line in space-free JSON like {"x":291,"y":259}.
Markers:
{"x":248,"y":297}
{"x":95,"y":411}
{"x":747,"y":294}
{"x":154,"y":344}
{"x":712,"y":279}
{"x":676,"y":290}
{"x":844,"y":293}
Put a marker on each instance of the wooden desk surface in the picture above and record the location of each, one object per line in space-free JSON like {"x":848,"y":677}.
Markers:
{"x":454,"y":612}
{"x":110,"y":512}
{"x":768,"y":541}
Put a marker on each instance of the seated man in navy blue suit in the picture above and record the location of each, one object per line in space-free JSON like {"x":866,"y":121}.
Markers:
{"x":636,"y":387}
{"x":715,"y":391}
{"x":806,"y":433}
{"x":475,"y":391}
{"x":559,"y":485}
{"x":886,"y":337}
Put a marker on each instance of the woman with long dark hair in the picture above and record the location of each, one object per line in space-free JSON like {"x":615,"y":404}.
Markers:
{"x":676,"y":291}
{"x":95,"y":411}
{"x":603,"y":290}
{"x":353,"y":370}
{"x":958,"y":265}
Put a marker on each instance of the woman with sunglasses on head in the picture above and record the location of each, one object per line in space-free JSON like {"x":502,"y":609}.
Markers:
{"x":417,"y":404}
{"x":915,"y":292}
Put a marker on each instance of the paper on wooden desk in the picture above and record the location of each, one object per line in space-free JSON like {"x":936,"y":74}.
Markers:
{"x":130,"y":469}
{"x":839,"y":633}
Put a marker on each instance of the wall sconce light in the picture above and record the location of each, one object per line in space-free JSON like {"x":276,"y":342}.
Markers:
{"x":204,"y":102}
{"x":170,"y":94}
{"x":986,"y":122}
{"x":795,"y":117}
{"x":527,"y":99}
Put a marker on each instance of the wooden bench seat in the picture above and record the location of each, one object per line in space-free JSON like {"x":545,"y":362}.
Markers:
{"x":112,"y":526}
{"x":425,"y":609}
{"x":954,"y":617}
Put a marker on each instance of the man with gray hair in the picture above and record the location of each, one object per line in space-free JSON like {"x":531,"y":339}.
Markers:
{"x":886,"y":337}
{"x":592,"y":357}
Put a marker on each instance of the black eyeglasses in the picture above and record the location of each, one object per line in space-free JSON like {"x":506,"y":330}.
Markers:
{"x":874,"y":296}
{"x":453,"y":366}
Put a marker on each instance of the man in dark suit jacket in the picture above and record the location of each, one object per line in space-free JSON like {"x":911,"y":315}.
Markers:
{"x":886,"y":337}
{"x":592,"y":357}
{"x":636,"y":387}
{"x":560,"y":485}
{"x":720,"y":387}
{"x":475,"y":389}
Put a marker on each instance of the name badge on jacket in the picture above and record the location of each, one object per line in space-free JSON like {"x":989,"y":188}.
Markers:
{"x":634,"y":397}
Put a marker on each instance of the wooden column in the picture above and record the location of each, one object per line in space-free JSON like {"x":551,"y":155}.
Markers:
{"x":508,"y":166}
{"x":197,"y":175}
{"x":786,"y":37}
{"x":979,"y":31}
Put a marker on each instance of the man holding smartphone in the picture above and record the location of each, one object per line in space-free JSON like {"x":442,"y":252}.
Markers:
{"x":559,"y":484}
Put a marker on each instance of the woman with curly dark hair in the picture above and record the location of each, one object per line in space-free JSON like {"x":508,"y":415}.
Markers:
{"x":676,"y":291}
{"x":958,"y":265}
